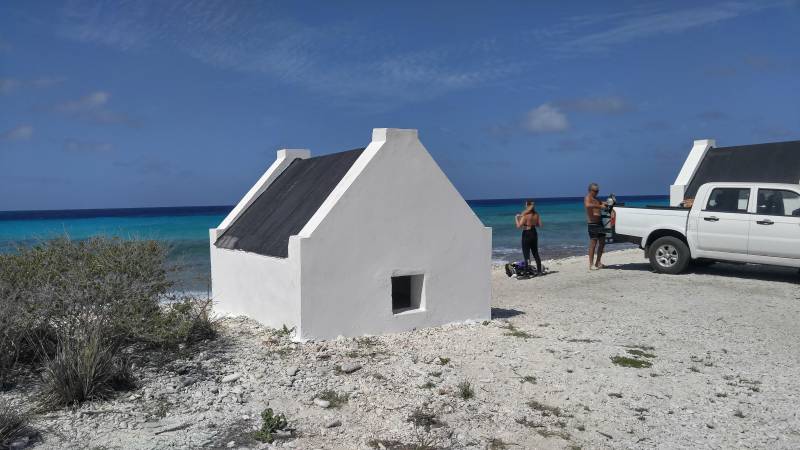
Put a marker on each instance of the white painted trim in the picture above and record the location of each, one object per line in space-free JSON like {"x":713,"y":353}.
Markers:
{"x":696,"y":155}
{"x":284,"y":158}
{"x":348,"y":179}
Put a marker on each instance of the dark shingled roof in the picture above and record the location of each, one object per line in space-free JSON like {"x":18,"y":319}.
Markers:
{"x":284,"y":208}
{"x":777,"y":162}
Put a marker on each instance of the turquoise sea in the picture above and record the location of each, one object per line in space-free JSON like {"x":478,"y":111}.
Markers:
{"x":185,"y":229}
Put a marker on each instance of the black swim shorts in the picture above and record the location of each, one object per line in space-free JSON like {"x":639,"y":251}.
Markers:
{"x":596,"y":231}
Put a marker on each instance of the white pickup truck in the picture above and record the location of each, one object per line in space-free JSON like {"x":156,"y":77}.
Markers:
{"x":738,"y":222}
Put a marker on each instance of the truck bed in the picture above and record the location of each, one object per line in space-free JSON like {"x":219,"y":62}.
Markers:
{"x":634,"y":223}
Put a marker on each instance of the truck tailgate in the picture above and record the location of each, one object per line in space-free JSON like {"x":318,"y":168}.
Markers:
{"x":636,"y":224}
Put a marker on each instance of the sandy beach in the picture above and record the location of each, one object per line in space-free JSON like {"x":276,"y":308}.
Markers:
{"x":718,"y":351}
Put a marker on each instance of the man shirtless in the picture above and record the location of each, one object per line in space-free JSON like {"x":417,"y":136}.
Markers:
{"x":597,"y":239}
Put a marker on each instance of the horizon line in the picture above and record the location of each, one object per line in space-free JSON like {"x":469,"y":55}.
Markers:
{"x":494,"y":199}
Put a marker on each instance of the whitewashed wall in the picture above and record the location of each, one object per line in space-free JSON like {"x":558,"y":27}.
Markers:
{"x":261,"y":287}
{"x":395,"y":212}
{"x":689,"y":168}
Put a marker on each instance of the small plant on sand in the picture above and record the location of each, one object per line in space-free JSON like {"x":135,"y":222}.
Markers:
{"x":624,"y":361}
{"x":546,"y":410}
{"x":545,"y":433}
{"x":424,"y":418}
{"x":511,"y":330}
{"x":13,"y":426}
{"x":525,"y":378}
{"x":443,"y":361}
{"x":640,"y":353}
{"x":270,"y":423}
{"x":496,"y":444}
{"x":647,"y":348}
{"x":284,"y":331}
{"x":428,"y":385}
{"x":465,"y":390}
{"x":335,"y":399}
{"x":583,"y":340}
{"x":738,"y":413}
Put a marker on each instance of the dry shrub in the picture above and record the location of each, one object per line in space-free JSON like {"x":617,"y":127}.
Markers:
{"x":86,"y":366}
{"x":73,"y":305}
{"x":13,"y":426}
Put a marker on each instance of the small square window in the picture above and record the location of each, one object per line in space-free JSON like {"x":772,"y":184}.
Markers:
{"x":406,"y":293}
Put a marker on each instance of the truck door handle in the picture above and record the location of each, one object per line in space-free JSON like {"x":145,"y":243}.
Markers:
{"x":711,"y":219}
{"x":765,"y":222}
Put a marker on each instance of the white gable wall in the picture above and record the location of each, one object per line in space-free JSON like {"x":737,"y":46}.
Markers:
{"x":394,"y":213}
{"x":689,"y":168}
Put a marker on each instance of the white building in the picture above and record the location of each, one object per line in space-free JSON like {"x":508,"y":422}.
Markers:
{"x":774,"y":162}
{"x":366,"y":241}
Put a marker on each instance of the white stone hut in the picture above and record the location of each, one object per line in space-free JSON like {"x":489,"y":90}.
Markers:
{"x":774,"y":162}
{"x":366,"y":241}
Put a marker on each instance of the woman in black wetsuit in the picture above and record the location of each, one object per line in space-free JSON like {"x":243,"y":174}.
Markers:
{"x":528,"y":220}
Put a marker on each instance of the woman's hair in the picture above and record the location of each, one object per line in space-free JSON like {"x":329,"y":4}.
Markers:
{"x":530,"y":207}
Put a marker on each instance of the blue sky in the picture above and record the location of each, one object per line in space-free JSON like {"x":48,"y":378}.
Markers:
{"x":166,"y":103}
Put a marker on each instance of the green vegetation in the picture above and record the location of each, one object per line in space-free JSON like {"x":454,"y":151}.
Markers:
{"x":624,"y":361}
{"x":270,"y":423}
{"x":284,"y":331}
{"x":424,"y":418}
{"x":640,"y":353}
{"x":335,"y":399}
{"x":85,"y":366}
{"x":583,"y":340}
{"x":511,"y":330}
{"x":70,"y":308}
{"x":546,"y":410}
{"x":465,"y":390}
{"x":647,"y":348}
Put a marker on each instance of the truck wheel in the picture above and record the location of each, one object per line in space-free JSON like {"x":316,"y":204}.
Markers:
{"x":669,"y":255}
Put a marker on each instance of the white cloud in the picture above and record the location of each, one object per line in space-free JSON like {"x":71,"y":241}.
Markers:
{"x":601,"y":32}
{"x":9,"y":85}
{"x":339,"y":60}
{"x":93,"y":108}
{"x":86,"y":146}
{"x":546,"y":119}
{"x":19,"y":133}
{"x":89,"y":102}
{"x":602,"y":105}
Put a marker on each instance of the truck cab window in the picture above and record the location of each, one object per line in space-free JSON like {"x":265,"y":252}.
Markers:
{"x":733,"y":200}
{"x":776,"y":202}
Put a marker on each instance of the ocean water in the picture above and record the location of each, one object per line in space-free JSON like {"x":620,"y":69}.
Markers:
{"x":185,"y":229}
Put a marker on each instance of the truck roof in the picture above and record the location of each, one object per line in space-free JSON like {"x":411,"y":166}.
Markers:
{"x":758,"y":185}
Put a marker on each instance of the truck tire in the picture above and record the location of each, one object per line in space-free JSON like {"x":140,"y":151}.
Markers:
{"x":669,"y":255}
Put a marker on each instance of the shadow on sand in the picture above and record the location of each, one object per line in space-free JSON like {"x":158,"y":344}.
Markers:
{"x":747,"y":271}
{"x":504,"y":313}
